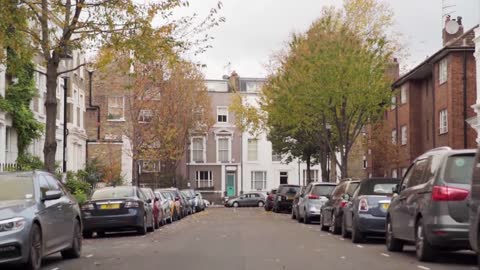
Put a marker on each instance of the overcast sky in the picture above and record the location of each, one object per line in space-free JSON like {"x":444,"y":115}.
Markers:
{"x":254,"y":29}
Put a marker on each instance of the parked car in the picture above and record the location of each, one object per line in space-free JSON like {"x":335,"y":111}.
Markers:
{"x":164,"y":204}
{"x":38,"y":217}
{"x":331,"y":213}
{"x":311,"y":201}
{"x":296,"y":199}
{"x":284,"y":198}
{"x":474,"y":208}
{"x":269,"y":200}
{"x":431,"y":209}
{"x":247,"y":199}
{"x":158,"y":214}
{"x":187,"y":205}
{"x":366,"y":210}
{"x":192,"y":199}
{"x":175,"y":206}
{"x":121,"y":208}
{"x":180,"y":206}
{"x":201,"y":203}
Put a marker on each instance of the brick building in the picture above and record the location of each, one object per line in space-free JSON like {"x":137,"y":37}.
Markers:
{"x":433,"y":103}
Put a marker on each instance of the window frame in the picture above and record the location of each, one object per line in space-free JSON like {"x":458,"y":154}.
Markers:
{"x":219,"y":108}
{"x":229,"y":148}
{"x":143,"y":113}
{"x":404,"y":135}
{"x":315,"y":177}
{"x":253,"y":180}
{"x":443,"y":121}
{"x":208,"y":180}
{"x":443,"y":71}
{"x":204,"y":152}
{"x":403,"y":94}
{"x":251,"y":158}
{"x":109,"y":107}
{"x":394,"y":136}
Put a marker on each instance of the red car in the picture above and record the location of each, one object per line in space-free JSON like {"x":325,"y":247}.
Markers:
{"x":158,"y":214}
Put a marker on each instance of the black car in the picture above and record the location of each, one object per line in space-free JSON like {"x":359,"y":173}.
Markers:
{"x":430,"y":207}
{"x":284,"y":198}
{"x":331,"y":213}
{"x":121,"y":208}
{"x":269,"y":200}
{"x":366,"y":211}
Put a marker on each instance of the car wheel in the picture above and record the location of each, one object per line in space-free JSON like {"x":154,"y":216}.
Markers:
{"x":306,"y":219}
{"x":322,"y":226}
{"x":345,"y":232}
{"x":36,"y":253}
{"x":143,"y":230}
{"x":393,"y":244}
{"x":357,"y":235}
{"x":260,"y":204}
{"x":425,"y":252}
{"x":75,"y":251}
{"x":294,"y":216}
{"x":235,"y":204}
{"x":334,"y":226}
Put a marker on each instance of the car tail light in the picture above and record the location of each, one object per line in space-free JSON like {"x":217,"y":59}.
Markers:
{"x":363,"y":205}
{"x":446,"y":193}
{"x":343,"y":204}
{"x":132,"y":204}
{"x":313,"y":197}
{"x":88,"y":206}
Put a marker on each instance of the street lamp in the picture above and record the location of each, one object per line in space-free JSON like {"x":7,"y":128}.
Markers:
{"x":328,"y":127}
{"x":67,"y":57}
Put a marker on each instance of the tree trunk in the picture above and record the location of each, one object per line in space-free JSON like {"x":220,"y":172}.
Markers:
{"x":323,"y":159}
{"x":344,"y":165}
{"x":50,"y":146}
{"x":309,"y":179}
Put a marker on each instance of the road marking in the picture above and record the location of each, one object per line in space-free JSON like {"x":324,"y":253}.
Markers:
{"x":359,"y":246}
{"x":89,"y":256}
{"x":56,"y":268}
{"x":341,"y":238}
{"x":423,"y":267}
{"x":385,"y":254}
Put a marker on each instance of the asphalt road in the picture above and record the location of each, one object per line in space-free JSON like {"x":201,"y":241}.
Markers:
{"x":246,"y":239}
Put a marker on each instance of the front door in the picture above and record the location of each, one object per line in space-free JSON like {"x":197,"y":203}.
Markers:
{"x":230,"y":184}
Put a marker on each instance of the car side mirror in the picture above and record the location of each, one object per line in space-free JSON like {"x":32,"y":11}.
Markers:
{"x":157,"y":199}
{"x":346,"y":197}
{"x":148,"y":200}
{"x":52,"y":195}
{"x":396,"y":189}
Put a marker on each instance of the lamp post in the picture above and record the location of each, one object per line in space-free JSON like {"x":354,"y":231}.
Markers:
{"x":65,"y":129}
{"x":328,"y":127}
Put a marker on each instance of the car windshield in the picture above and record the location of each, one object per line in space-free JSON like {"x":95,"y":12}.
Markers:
{"x":378,"y":187}
{"x":16,"y":187}
{"x":323,"y":190}
{"x":166,"y":195}
{"x":289,"y":189}
{"x":113,"y":193}
{"x":459,"y":169}
{"x":147,"y":193}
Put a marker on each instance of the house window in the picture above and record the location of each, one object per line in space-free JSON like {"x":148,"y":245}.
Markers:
{"x":276,"y":157}
{"x":70,"y":113}
{"x":443,"y":71}
{"x":394,"y":173}
{"x":252,"y":150}
{"x":204,"y":179}
{"x":78,"y":116}
{"x":150,"y":166}
{"x":259,"y":180}
{"x":222,"y":114}
{"x":59,"y":109}
{"x":145,"y":116}
{"x":403,"y":94}
{"x":8,"y":139}
{"x":283,"y":178}
{"x":116,"y":106}
{"x":313,"y":175}
{"x":198,"y":150}
{"x":394,"y":103}
{"x":404,"y":135}
{"x":443,"y":121}
{"x":365,"y":162}
{"x":394,"y":136}
{"x":223,"y":150}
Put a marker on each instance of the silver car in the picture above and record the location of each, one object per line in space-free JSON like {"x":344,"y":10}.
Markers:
{"x":38,"y":217}
{"x":311,"y":201}
{"x":165,"y":205}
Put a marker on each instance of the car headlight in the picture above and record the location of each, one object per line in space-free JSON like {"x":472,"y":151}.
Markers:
{"x":12,"y":224}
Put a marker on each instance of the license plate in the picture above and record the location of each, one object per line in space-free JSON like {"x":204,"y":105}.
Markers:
{"x":110,"y":206}
{"x":385,"y":205}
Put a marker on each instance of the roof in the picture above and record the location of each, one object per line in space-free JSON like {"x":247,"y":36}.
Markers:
{"x":464,"y":42}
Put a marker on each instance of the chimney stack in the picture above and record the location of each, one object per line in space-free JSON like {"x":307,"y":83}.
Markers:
{"x":452,"y":29}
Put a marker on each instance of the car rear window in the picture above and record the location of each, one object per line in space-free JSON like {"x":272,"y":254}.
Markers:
{"x":378,"y":187}
{"x":459,"y":169}
{"x":323,"y":190}
{"x":289,"y":189}
{"x":113,"y":193}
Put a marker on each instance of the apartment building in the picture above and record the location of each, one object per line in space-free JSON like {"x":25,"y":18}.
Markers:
{"x":433,"y":102}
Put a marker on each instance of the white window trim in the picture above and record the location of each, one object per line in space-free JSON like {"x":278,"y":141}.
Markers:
{"x":316,"y":175}
{"x":209,"y":180}
{"x":220,"y":108}
{"x":253,"y":181}
{"x":229,"y":138}
{"x":248,"y":150}
{"x":204,"y":149}
{"x":443,"y":126}
{"x":404,"y":139}
{"x":443,"y":76}
{"x":403,"y":94}
{"x":394,"y":137}
{"x":141,"y":115}
{"x":121,"y":119}
{"x":393,"y":101}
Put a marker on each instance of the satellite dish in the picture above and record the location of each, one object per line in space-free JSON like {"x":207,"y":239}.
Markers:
{"x":452,"y":27}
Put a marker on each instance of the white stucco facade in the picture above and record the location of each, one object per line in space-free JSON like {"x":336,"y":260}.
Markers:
{"x":475,"y":123}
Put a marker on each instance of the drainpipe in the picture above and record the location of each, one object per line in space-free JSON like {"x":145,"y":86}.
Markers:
{"x":465,"y":139}
{"x":92,"y":107}
{"x":434,"y":111}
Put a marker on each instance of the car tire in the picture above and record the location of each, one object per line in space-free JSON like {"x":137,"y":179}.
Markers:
{"x":143,"y":229}
{"x":87,"y":234}
{"x":34,"y":261}
{"x":334,"y":225}
{"x":294,"y":216}
{"x":357,"y":235}
{"x":322,"y":227}
{"x":235,"y":205}
{"x":424,"y":251}
{"x":260,"y":204}
{"x":75,"y":251}
{"x":345,"y":232}
{"x":100,"y":234}
{"x":306,"y":219}
{"x":393,"y":244}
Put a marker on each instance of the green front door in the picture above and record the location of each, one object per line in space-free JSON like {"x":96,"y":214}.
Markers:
{"x":230,"y":184}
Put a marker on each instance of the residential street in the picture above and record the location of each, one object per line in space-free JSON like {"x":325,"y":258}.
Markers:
{"x":245,"y":238}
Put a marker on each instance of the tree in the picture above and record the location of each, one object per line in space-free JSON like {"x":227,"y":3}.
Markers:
{"x":333,"y":79}
{"x":56,"y":28}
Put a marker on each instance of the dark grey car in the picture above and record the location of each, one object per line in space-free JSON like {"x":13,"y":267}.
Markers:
{"x":430,"y":209}
{"x":248,"y":199}
{"x":38,"y":217}
{"x":366,"y":211}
